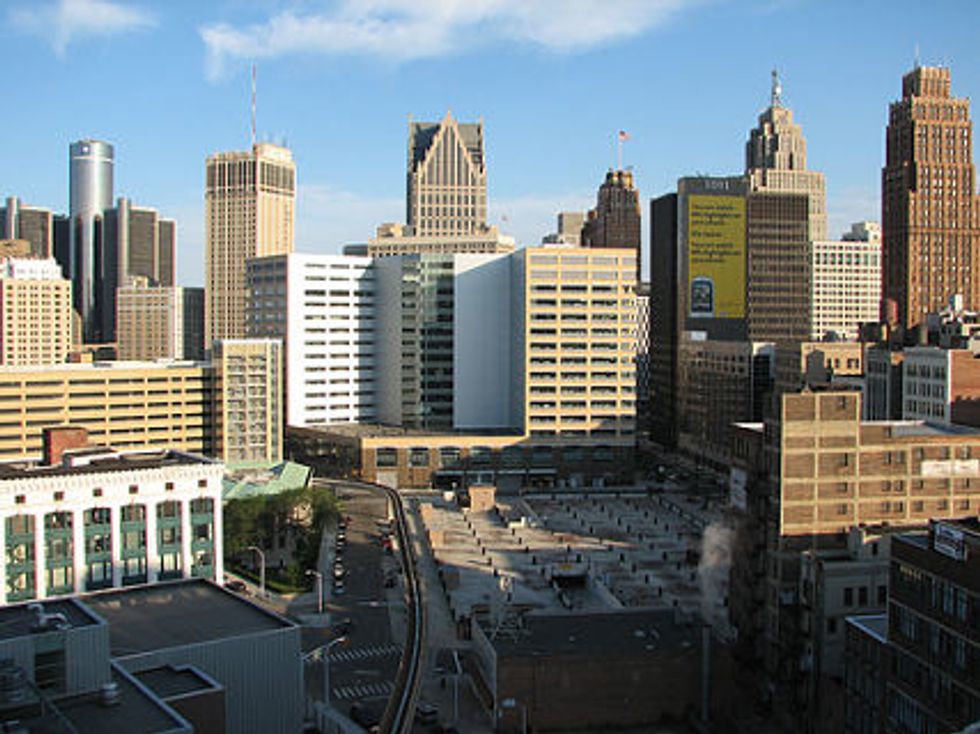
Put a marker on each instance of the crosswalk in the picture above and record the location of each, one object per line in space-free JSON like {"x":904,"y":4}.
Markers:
{"x":364,"y":690}
{"x":361,"y":653}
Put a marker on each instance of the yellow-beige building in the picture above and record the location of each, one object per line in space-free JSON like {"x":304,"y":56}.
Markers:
{"x":35,"y":312}
{"x":159,"y":322}
{"x":249,"y":211}
{"x":808,"y":475}
{"x":579,"y":355}
{"x":152,"y":405}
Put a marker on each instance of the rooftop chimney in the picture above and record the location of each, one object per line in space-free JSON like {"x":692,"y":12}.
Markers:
{"x":56,"y":440}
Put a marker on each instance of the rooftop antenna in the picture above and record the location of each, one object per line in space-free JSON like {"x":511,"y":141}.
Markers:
{"x":916,"y":60}
{"x":253,"y":105}
{"x":776,"y":99}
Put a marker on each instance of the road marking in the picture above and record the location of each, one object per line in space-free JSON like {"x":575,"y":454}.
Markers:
{"x":369,"y":690}
{"x":361,"y":653}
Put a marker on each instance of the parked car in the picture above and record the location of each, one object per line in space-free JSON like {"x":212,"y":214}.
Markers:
{"x":426,"y":713}
{"x":237,"y":586}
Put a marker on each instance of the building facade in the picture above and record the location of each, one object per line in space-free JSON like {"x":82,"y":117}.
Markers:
{"x":137,"y":243}
{"x":159,"y":322}
{"x":248,"y":399}
{"x":813,"y":471}
{"x":775,"y":161}
{"x":35,"y":312}
{"x":845,"y":287}
{"x":930,"y":213}
{"x":933,"y":681}
{"x":941,"y":385}
{"x":97,"y":521}
{"x":615,"y":220}
{"x":446,"y":192}
{"x":323,"y":308}
{"x":250,"y":211}
{"x":18,"y":221}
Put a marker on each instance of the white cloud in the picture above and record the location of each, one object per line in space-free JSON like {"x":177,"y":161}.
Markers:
{"x":64,"y":21}
{"x":402,"y":30}
{"x":328,"y":218}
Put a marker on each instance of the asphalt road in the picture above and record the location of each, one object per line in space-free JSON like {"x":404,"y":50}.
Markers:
{"x":363,"y":668}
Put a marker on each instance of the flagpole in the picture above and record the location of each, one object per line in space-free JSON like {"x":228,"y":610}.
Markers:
{"x":619,"y":151}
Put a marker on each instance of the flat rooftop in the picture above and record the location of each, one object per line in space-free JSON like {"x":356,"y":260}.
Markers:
{"x":377,"y":430}
{"x":615,"y":632}
{"x":168,"y":681}
{"x":925,"y":428}
{"x":136,"y":712}
{"x":875,"y":625}
{"x":98,"y":365}
{"x":97,"y":463}
{"x":18,"y":621}
{"x":186,"y":612}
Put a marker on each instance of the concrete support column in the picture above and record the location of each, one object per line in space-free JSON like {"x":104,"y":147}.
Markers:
{"x":40,"y":556}
{"x":117,"y":540}
{"x":78,"y":549}
{"x":152,"y":556}
{"x":218,"y":535}
{"x":185,"y":537}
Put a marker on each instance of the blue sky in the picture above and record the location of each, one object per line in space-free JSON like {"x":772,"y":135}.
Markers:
{"x":168,"y":83}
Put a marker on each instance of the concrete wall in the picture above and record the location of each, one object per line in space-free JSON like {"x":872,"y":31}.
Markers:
{"x":482,"y":354}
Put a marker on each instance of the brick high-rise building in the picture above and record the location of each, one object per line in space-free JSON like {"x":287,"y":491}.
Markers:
{"x":250,"y":211}
{"x":930,"y":212}
{"x":615,"y":221}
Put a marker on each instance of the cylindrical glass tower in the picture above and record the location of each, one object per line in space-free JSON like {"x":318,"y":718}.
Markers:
{"x":90,"y":190}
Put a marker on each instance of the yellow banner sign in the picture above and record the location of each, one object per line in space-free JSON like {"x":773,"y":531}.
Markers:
{"x":716,"y":256}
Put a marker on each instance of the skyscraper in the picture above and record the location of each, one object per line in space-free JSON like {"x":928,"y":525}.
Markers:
{"x":136,"y":244}
{"x":249,"y":212}
{"x":447,"y":178}
{"x":930,"y":213}
{"x":31,"y":223}
{"x":615,"y":221}
{"x":35,"y":312}
{"x":90,"y":194}
{"x":775,"y":160}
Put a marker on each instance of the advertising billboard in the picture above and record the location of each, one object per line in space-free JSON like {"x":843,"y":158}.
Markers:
{"x":716,"y":256}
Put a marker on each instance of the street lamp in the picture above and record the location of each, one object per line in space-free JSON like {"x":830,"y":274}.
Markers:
{"x":326,"y":667}
{"x":261,"y":568}
{"x":319,"y":589}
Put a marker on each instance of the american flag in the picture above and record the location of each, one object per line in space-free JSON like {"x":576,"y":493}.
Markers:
{"x":623,"y":135}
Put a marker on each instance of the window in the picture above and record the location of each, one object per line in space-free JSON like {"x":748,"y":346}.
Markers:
{"x":418,"y":457}
{"x":848,"y":596}
{"x":831,"y":625}
{"x":863,"y":596}
{"x":387,"y":457}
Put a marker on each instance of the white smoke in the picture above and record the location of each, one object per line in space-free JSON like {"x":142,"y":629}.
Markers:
{"x":713,"y":572}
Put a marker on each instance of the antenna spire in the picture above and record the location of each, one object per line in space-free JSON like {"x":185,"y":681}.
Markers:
{"x":776,"y":99}
{"x":253,"y":104}
{"x":916,"y":60}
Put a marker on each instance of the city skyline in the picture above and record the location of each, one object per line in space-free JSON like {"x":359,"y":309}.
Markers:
{"x":552,"y":100}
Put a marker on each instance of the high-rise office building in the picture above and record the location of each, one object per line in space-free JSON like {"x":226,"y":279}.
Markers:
{"x":35,"y":312}
{"x":323,"y":309}
{"x":19,"y":221}
{"x":845,"y":287}
{"x":137,"y":243}
{"x":447,"y":178}
{"x":248,"y":399}
{"x":159,"y":322}
{"x":775,"y":160}
{"x":929,"y":208}
{"x":250,"y":212}
{"x":615,"y":221}
{"x":90,"y":194}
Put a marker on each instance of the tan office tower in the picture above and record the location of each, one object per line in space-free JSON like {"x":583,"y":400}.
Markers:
{"x":249,"y":212}
{"x":447,"y":178}
{"x":930,"y":213}
{"x":35,"y":312}
{"x":248,"y":400}
{"x":775,"y":161}
{"x":158,"y":322}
